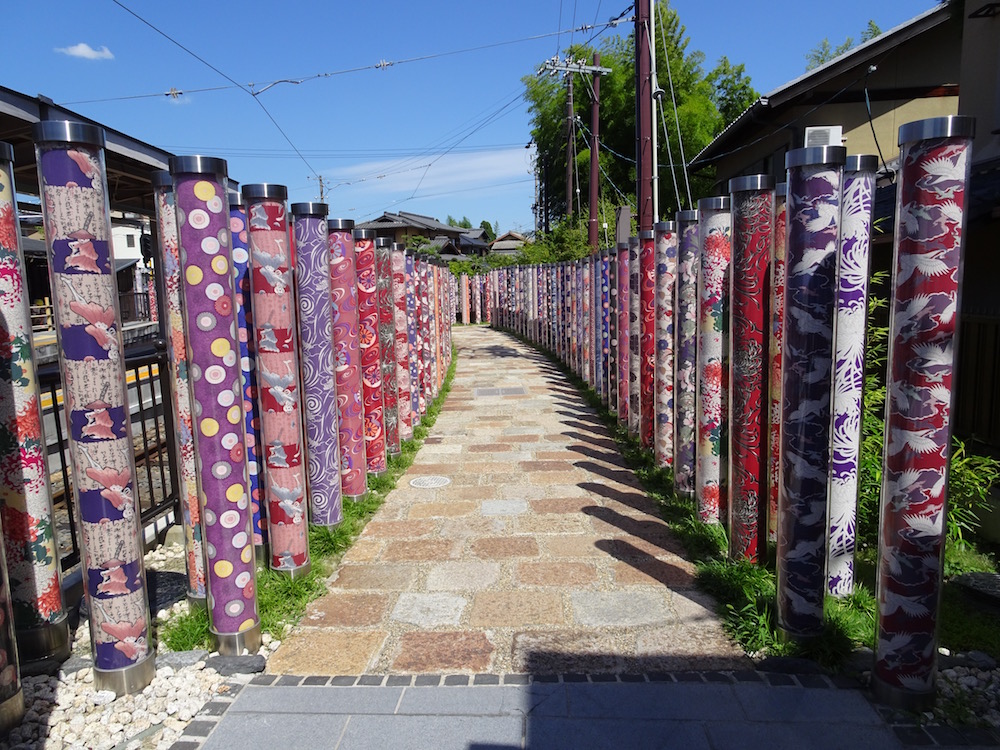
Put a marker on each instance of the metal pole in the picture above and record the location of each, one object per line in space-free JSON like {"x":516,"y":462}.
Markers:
{"x":644,"y":155}
{"x":570,"y":131}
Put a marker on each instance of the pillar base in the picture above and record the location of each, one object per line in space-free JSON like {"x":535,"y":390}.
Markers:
{"x":262,"y":555}
{"x":127,"y":680}
{"x":378,"y":473}
{"x":354,"y":498}
{"x":11,"y":712}
{"x":787,"y":636}
{"x":393,"y":451}
{"x":197,"y":602}
{"x":233,"y":644}
{"x":906,"y":700}
{"x":42,"y":649}
{"x":295,"y":573}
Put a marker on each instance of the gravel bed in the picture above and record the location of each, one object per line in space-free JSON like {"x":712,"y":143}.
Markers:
{"x":65,"y":711}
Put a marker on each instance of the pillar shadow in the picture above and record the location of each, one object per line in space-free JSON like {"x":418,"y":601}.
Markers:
{"x":603,"y":442}
{"x":636,"y":500}
{"x":655,"y":533}
{"x":591,"y":428}
{"x":610,"y":456}
{"x":622,"y":476}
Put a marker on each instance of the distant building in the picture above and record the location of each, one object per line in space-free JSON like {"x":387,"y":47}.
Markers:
{"x":508,"y":243}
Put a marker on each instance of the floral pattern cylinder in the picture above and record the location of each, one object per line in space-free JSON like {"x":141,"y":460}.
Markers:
{"x":280,"y":396}
{"x":347,"y":360}
{"x":753,"y":233}
{"x":814,"y":182}
{"x":387,"y":339}
{"x":849,"y":370}
{"x":398,"y":263}
{"x":647,"y":336}
{"x":634,"y":336}
{"x":223,"y":483}
{"x":248,"y":367}
{"x":933,"y":175}
{"x":666,"y":273}
{"x":713,"y":313}
{"x":73,"y":186}
{"x":624,"y":333}
{"x":411,"y":336}
{"x":187,"y":485}
{"x":32,"y":555}
{"x":686,"y":353}
{"x":371,"y":351}
{"x":774,"y":357}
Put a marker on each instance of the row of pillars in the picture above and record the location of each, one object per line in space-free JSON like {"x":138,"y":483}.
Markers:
{"x":472,"y":294}
{"x":301,"y":352}
{"x":731,"y":342}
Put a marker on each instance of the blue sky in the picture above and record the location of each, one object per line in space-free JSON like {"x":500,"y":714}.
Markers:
{"x":439,"y":136}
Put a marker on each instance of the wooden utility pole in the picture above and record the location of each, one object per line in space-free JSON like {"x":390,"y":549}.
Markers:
{"x":643,"y":116}
{"x":570,"y":131}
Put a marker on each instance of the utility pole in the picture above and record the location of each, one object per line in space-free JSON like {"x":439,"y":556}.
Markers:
{"x":570,"y":67}
{"x":322,"y":186}
{"x":654,"y":102}
{"x":595,"y":111}
{"x":643,"y":117}
{"x":570,"y":132}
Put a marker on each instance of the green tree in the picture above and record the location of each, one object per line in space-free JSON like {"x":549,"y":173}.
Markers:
{"x":824,"y":52}
{"x":491,"y":232}
{"x":732,"y":91}
{"x":704,"y":102}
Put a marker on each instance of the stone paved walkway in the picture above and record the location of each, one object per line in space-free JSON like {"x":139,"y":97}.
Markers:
{"x":541,"y":556}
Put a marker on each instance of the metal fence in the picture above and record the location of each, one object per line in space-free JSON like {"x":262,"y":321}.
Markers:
{"x":152,"y":428}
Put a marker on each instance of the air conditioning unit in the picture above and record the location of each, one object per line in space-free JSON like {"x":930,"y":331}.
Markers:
{"x":824,"y":135}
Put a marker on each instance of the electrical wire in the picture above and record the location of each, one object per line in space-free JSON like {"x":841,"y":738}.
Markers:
{"x":673,"y":100}
{"x":205,"y":62}
{"x":871,"y":124}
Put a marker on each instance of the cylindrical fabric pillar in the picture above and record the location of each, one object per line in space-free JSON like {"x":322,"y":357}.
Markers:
{"x":624,"y":332}
{"x":371,"y":352}
{"x":713,"y":313}
{"x":347,"y":360}
{"x":634,"y":336}
{"x":412,"y":337}
{"x":605,"y":308}
{"x":774,"y":357}
{"x":73,"y":190}
{"x":248,"y":367}
{"x":666,"y":273}
{"x":180,"y":373}
{"x":424,"y":326}
{"x":270,"y":295}
{"x":223,"y":484}
{"x":849,"y":368}
{"x":612,"y":369}
{"x":32,"y":554}
{"x":464,"y":281}
{"x":404,"y":403}
{"x":814,"y":183}
{"x":11,"y":692}
{"x":686,"y":361}
{"x":927,"y":274}
{"x":753,"y":234}
{"x":647,"y":336}
{"x":575,"y":304}
{"x":586,"y":332}
{"x":387,"y":340}
{"x":477,"y":299}
{"x":314,"y":297}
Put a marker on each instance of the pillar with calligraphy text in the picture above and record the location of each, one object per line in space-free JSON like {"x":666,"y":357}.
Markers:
{"x":73,"y":188}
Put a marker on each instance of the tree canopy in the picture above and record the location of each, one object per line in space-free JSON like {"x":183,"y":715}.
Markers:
{"x":824,"y":52}
{"x":706,"y":102}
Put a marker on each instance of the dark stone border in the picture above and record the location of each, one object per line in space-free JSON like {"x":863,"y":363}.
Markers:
{"x":905,"y":727}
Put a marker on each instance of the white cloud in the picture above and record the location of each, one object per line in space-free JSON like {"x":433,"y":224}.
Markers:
{"x":87,"y":52}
